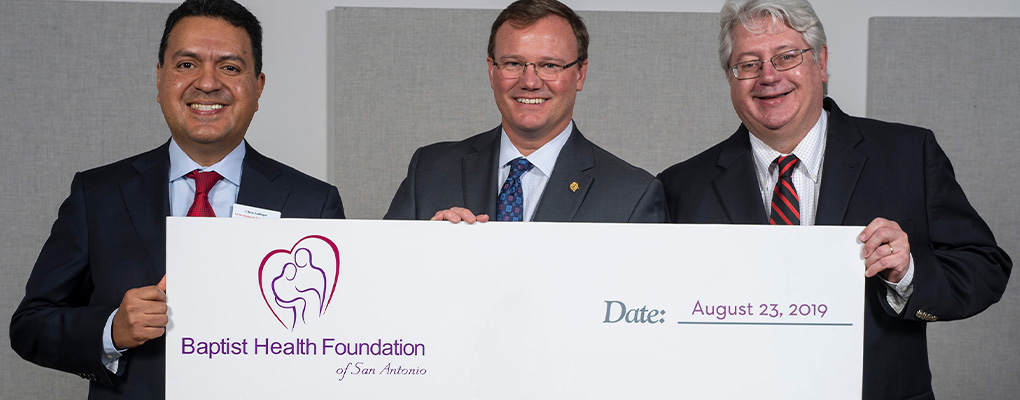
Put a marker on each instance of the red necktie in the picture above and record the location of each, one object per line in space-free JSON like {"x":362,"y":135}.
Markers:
{"x":785,"y":201}
{"x":203,"y":182}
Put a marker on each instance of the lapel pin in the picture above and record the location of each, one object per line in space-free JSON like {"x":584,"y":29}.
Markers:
{"x":574,"y":186}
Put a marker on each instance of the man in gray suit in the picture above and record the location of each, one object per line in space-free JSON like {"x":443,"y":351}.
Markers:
{"x":535,"y":166}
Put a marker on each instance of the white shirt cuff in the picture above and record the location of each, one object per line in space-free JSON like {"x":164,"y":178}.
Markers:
{"x":898,"y":293}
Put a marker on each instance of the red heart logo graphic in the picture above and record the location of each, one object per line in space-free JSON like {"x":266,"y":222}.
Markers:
{"x":298,"y":284}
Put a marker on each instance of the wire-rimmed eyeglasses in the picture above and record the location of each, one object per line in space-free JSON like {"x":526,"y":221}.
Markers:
{"x":782,"y":61}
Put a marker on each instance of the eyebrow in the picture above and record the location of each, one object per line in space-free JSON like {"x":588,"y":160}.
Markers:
{"x":510,"y":57}
{"x":191,"y":54}
{"x":775,"y":50}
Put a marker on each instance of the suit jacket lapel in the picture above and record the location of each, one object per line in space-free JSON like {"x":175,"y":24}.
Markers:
{"x":737,"y":185}
{"x":148,"y":216}
{"x":257,"y":187}
{"x":480,"y":172}
{"x":842,"y":166}
{"x":575,"y":164}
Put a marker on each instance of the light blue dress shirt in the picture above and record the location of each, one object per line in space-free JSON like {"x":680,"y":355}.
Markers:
{"x":222,"y":196}
{"x":532,"y":182}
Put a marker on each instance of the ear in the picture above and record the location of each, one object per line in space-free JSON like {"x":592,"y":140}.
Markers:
{"x":261,"y":84}
{"x":492,"y":72}
{"x":823,"y":61}
{"x":159,"y":70}
{"x":582,"y":72}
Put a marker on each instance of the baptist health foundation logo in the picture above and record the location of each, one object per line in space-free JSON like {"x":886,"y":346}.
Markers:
{"x":298,"y":284}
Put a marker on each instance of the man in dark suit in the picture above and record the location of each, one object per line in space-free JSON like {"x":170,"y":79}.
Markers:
{"x":798,"y":159}
{"x":536,"y":165}
{"x":95,"y":304}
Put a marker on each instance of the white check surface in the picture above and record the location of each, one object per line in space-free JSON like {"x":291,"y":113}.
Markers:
{"x":486,"y":322}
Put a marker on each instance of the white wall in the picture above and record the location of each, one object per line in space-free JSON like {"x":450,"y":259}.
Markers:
{"x":291,"y":123}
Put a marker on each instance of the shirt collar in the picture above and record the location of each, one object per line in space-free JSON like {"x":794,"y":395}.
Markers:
{"x":544,"y":158}
{"x":229,"y":167}
{"x":809,"y":150}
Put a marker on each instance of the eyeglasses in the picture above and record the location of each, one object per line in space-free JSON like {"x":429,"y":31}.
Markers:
{"x":782,"y":61}
{"x":546,"y":71}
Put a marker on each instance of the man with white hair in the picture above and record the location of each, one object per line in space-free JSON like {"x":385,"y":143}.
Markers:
{"x":797,"y":159}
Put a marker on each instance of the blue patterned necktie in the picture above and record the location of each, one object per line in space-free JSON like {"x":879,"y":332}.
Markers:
{"x":510,"y":206}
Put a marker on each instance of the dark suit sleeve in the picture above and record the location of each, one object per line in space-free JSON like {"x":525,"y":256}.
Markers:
{"x":651,"y":207}
{"x":403,"y":205}
{"x":54,"y":326}
{"x":959,"y":270}
{"x":334,"y":206}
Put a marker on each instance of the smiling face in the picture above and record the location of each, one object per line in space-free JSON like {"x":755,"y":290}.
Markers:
{"x":207,"y":87}
{"x":535,"y":111}
{"x":779,"y":107}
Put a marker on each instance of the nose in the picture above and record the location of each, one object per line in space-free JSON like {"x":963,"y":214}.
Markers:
{"x":769,"y":73}
{"x":530,"y":79}
{"x":208,"y":79}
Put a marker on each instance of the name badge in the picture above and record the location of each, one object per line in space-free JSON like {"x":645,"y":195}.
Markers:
{"x":243,"y":211}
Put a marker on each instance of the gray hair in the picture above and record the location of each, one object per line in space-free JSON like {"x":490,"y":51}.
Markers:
{"x":797,"y":14}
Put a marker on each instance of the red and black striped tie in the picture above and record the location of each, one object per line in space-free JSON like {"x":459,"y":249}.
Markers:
{"x":785,"y":201}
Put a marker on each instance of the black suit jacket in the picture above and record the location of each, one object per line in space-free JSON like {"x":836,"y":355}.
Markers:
{"x":109,"y":237}
{"x":870,"y":169}
{"x":465,"y":174}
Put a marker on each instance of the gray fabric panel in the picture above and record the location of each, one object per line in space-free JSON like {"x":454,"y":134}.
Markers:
{"x":78,"y":86}
{"x":952,"y":75}
{"x":655,"y":94}
{"x":404,"y":78}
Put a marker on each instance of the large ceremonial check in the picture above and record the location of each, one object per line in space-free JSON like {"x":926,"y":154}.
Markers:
{"x":286,"y":308}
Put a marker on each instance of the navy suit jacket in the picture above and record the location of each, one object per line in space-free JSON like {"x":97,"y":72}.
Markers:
{"x":109,"y":237}
{"x":465,"y":174}
{"x":870,"y":169}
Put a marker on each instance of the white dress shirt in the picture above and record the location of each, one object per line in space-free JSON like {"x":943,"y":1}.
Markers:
{"x":807,"y":180}
{"x":807,"y":174}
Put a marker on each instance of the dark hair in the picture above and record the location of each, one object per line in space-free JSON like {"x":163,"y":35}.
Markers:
{"x":527,"y":12}
{"x":228,"y":10}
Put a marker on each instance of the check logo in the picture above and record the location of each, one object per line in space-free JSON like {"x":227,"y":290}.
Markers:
{"x":298,"y":284}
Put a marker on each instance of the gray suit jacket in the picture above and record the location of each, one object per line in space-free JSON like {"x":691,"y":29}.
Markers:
{"x":465,"y":174}
{"x":110,"y":236}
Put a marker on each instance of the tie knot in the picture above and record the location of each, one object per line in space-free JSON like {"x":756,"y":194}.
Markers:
{"x":519,"y":166}
{"x":786,"y":164}
{"x":204,"y":180}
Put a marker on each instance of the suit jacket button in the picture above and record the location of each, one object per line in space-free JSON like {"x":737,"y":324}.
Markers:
{"x":920,"y":314}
